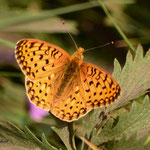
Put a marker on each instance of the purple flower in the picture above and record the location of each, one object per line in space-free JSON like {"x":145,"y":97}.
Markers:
{"x":36,"y":113}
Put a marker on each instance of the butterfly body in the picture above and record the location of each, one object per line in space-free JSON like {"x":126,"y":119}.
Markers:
{"x":70,"y":73}
{"x":63,"y":84}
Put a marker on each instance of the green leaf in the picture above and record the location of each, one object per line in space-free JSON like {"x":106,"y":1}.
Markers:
{"x":30,"y":17}
{"x":147,"y":54}
{"x":88,"y":127}
{"x":132,"y":143}
{"x":65,"y":132}
{"x":134,"y":78}
{"x":147,"y":140}
{"x":94,"y":120}
{"x":12,"y":103}
{"x":22,"y":138}
{"x":43,"y":27}
{"x":137,"y":121}
{"x":139,"y":54}
{"x":117,"y":69}
{"x":7,"y":43}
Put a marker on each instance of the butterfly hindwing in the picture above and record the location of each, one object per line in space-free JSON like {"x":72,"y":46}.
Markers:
{"x":100,"y":87}
{"x":42,"y":92}
{"x":73,"y":106}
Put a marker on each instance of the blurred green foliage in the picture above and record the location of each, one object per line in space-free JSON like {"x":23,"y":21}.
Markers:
{"x":90,"y":27}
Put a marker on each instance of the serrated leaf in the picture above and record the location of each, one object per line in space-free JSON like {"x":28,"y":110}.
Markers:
{"x":137,"y":120}
{"x":139,"y":53}
{"x":132,"y":143}
{"x":147,"y":53}
{"x":127,"y":66}
{"x":117,"y":69}
{"x":21,"y":138}
{"x":134,"y":78}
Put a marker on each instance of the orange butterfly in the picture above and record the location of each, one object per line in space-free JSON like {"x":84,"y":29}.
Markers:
{"x":63,"y":84}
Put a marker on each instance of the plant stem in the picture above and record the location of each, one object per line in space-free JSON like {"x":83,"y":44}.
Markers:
{"x":7,"y":43}
{"x":10,"y":74}
{"x":116,"y":26}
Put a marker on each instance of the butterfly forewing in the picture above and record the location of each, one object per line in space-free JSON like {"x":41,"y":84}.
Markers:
{"x":38,"y":59}
{"x":100,"y":87}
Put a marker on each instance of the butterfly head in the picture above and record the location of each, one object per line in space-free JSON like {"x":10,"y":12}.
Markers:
{"x":79,"y":53}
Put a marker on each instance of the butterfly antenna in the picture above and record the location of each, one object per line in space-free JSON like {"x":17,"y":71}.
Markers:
{"x":110,"y":43}
{"x":71,"y":36}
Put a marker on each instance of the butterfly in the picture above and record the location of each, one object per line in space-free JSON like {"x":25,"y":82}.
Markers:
{"x":62,"y":84}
